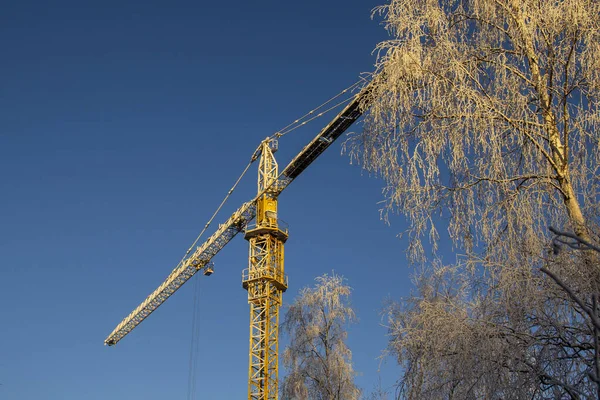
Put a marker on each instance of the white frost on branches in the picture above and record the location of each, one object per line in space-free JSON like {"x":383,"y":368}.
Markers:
{"x":318,"y":360}
{"x":487,"y":116}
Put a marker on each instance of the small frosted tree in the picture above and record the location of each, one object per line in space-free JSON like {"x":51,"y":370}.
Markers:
{"x":318,"y":360}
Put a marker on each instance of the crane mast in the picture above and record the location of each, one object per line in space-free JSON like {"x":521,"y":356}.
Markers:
{"x":264,"y":280}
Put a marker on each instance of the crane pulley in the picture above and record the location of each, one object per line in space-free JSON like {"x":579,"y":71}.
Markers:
{"x":264,"y":278}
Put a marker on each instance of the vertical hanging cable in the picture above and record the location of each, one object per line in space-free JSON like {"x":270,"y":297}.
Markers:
{"x":194,"y":345}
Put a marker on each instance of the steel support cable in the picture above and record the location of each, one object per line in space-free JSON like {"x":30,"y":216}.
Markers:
{"x":194,"y":345}
{"x":285,"y":132}
{"x":218,"y":209}
{"x":290,"y":127}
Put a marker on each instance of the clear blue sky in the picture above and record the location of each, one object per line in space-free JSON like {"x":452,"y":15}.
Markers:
{"x":122,"y":125}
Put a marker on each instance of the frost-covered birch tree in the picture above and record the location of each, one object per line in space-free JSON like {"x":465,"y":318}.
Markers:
{"x":318,"y":361}
{"x":487,"y":113}
{"x":486,"y":117}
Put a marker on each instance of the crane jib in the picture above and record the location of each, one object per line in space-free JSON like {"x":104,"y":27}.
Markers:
{"x":241,"y":217}
{"x":185,"y":270}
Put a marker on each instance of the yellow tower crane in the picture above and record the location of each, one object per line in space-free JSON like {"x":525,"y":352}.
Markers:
{"x":264,"y":279}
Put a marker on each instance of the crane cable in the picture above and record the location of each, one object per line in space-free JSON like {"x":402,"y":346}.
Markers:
{"x":290,"y":127}
{"x":218,"y":209}
{"x":194,"y":344}
{"x":283,"y":133}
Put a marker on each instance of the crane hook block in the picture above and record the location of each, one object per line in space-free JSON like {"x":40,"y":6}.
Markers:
{"x":209,"y":269}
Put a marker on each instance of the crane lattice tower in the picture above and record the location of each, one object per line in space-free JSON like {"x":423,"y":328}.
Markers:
{"x":264,"y":280}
